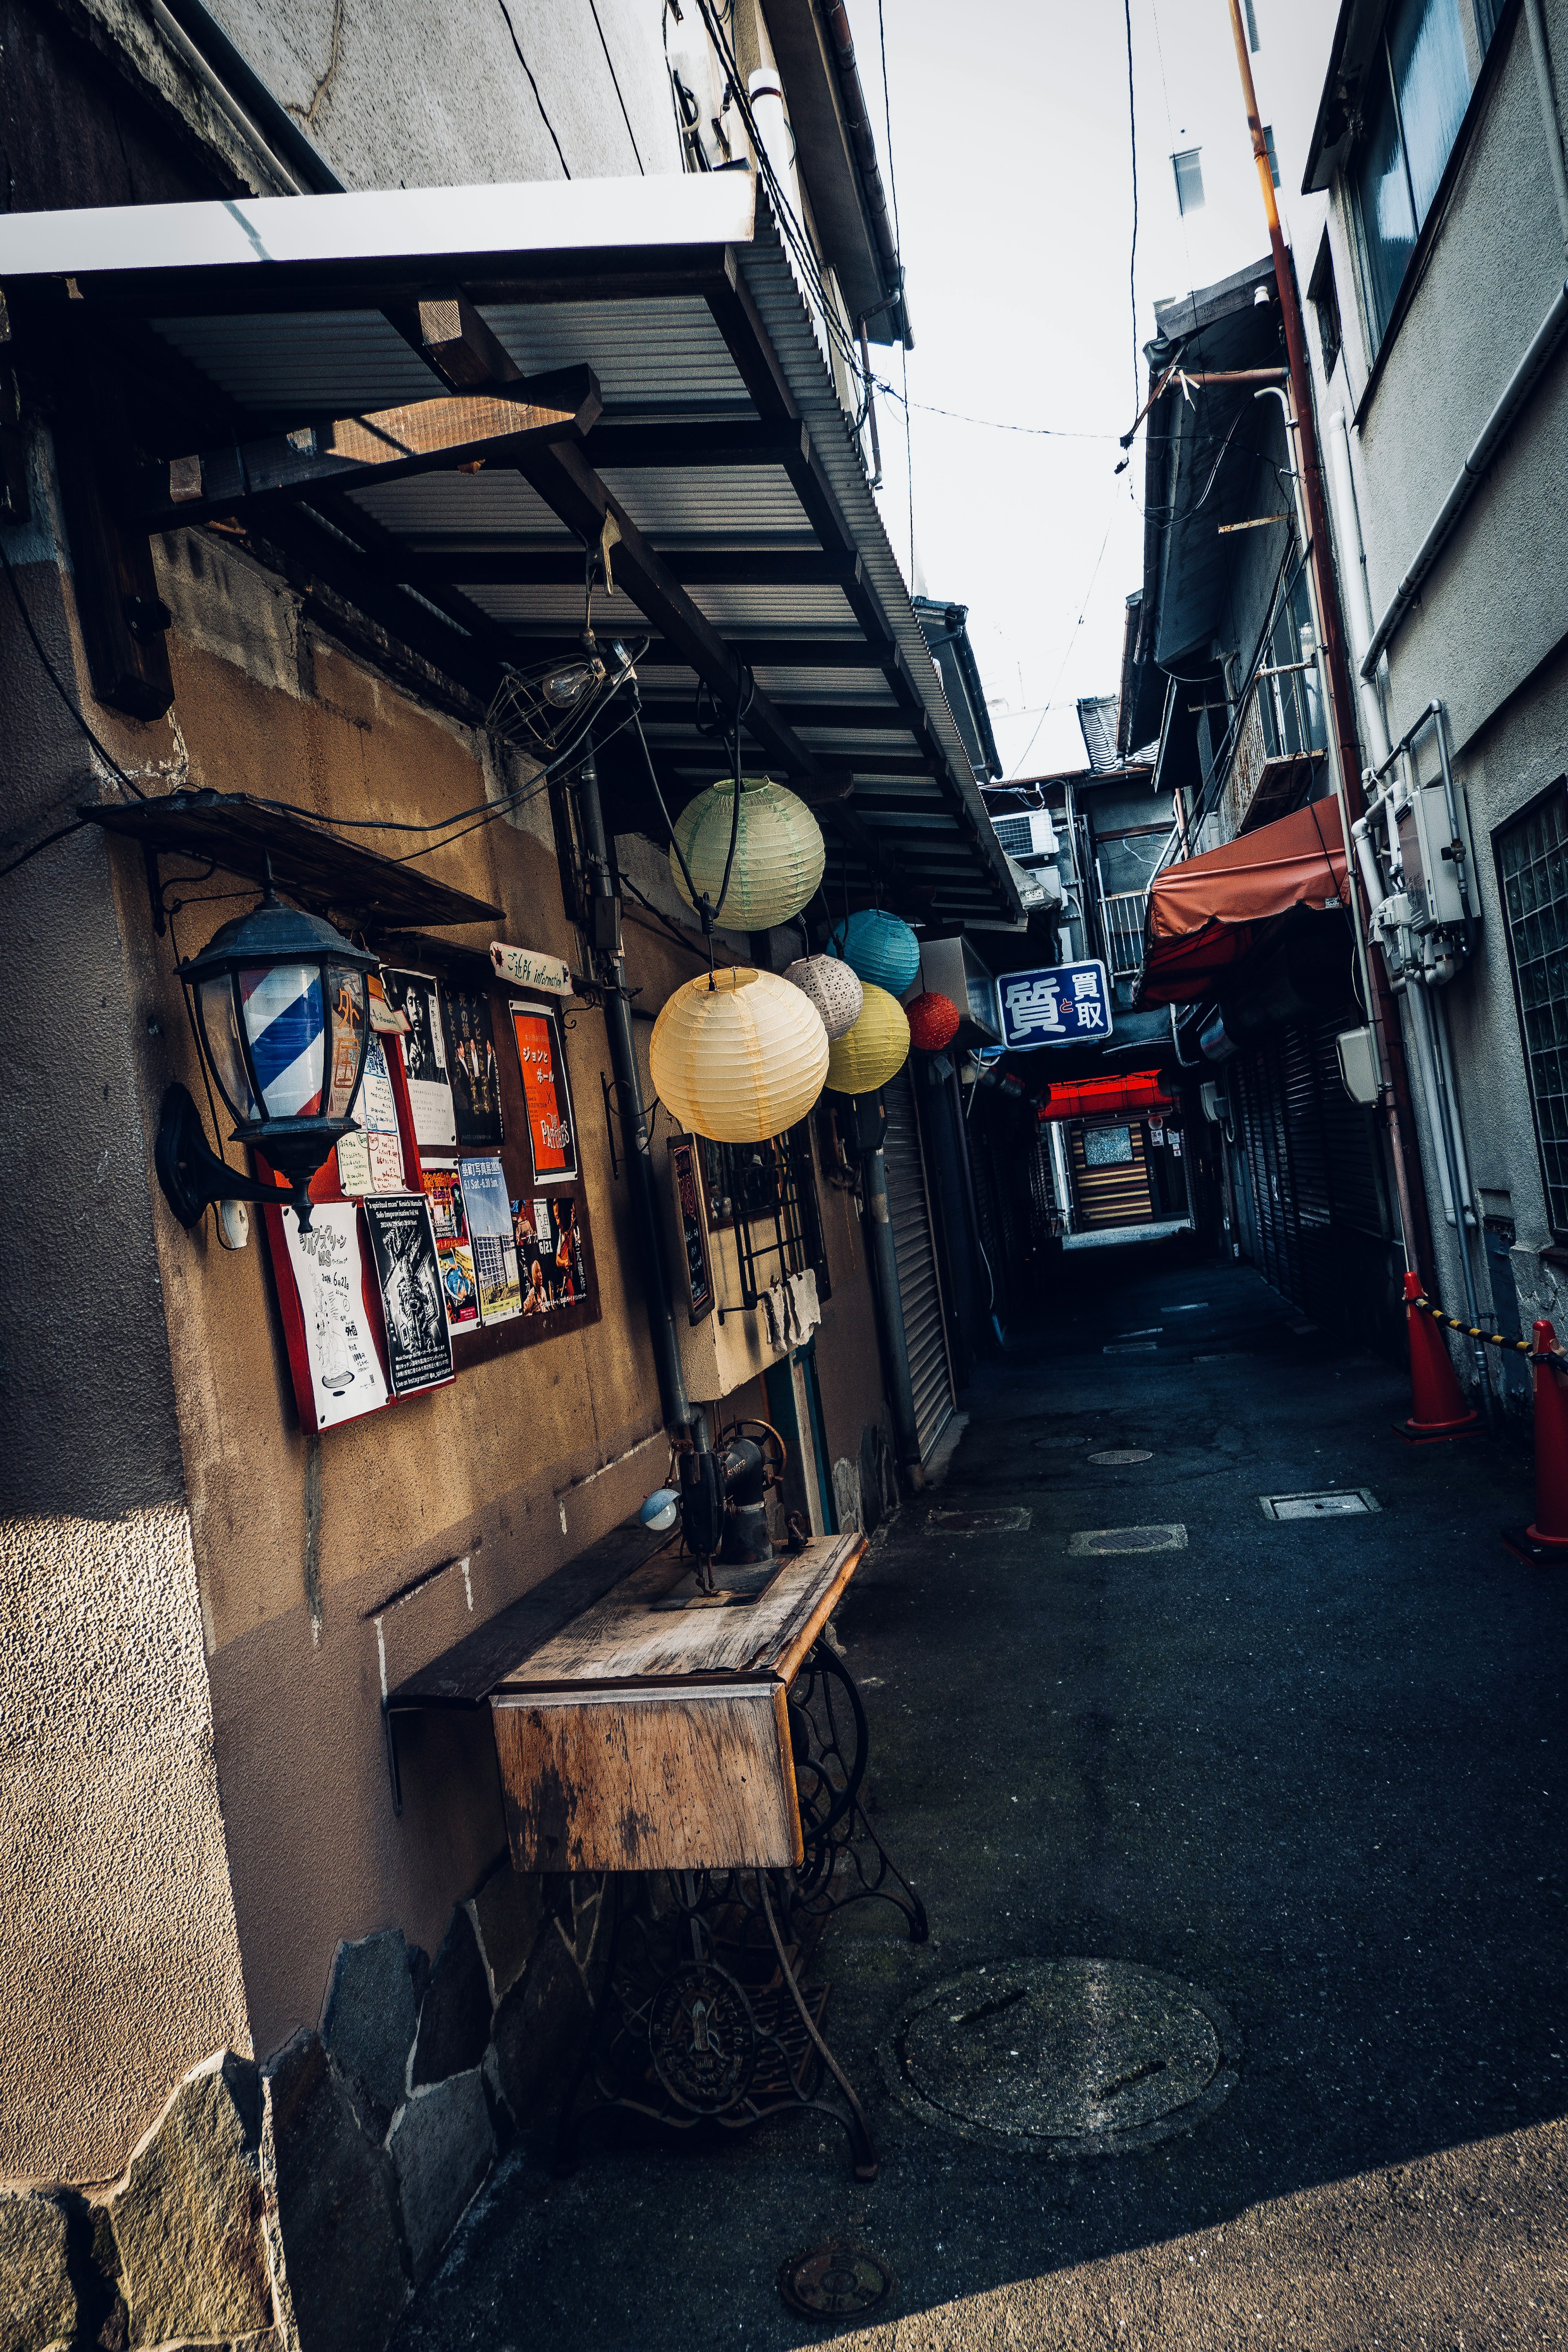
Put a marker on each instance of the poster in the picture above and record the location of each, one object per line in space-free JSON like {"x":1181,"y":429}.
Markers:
{"x":551,"y":1268}
{"x":371,"y":1160}
{"x":414,"y":994}
{"x":551,"y":1134}
{"x":327,"y":1266}
{"x":685,"y":1177}
{"x":454,"y":1252}
{"x":475,"y":1073}
{"x":403,"y":1245}
{"x":490,"y":1237}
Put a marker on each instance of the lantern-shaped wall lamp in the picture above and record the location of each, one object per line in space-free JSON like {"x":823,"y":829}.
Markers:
{"x":280,"y":1006}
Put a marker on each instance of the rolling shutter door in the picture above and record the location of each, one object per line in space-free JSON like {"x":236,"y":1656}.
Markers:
{"x":1114,"y":1195}
{"x":919,"y":1293}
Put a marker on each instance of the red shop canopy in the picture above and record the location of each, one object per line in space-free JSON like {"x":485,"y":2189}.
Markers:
{"x":1206,"y":913}
{"x":1106,"y":1097}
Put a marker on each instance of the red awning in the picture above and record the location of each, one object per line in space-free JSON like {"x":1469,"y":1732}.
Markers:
{"x":1141,"y":1090}
{"x":1206,"y":913}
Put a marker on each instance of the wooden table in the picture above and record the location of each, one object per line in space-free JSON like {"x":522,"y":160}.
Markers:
{"x":643,"y":1736}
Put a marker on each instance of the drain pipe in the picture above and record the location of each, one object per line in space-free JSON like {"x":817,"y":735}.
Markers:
{"x":1551,"y":121}
{"x":889,"y":1305}
{"x":610,"y":973}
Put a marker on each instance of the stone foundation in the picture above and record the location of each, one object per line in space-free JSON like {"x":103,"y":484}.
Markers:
{"x":295,"y":2206}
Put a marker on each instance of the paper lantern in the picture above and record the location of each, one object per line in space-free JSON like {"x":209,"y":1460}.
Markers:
{"x":875,"y":1050}
{"x":740,"y":1060}
{"x":933,"y":1021}
{"x":832,"y":987}
{"x":779,"y":852}
{"x":881,"y":948}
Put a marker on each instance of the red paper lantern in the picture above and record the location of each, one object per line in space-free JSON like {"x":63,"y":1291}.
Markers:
{"x":933,"y":1021}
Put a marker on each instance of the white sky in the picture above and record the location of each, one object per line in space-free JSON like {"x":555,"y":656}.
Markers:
{"x":1011,"y":152}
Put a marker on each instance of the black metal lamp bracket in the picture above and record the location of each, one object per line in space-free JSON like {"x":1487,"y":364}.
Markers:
{"x":189,"y":1169}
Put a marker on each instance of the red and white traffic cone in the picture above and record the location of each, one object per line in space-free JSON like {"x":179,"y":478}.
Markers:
{"x":1544,"y":1543}
{"x":1438,"y":1404}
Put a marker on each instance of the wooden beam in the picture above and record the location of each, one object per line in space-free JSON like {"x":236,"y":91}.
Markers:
{"x":383,"y":446}
{"x":571,"y":488}
{"x":722,"y":567}
{"x":450,"y":335}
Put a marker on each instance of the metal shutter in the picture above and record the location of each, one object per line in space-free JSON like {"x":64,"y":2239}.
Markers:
{"x":1113,"y":1196}
{"x":920,"y":1292}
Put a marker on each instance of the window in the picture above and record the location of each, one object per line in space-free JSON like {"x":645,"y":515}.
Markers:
{"x":1189,"y":173}
{"x":1253,"y":42}
{"x":1289,"y":702}
{"x":1273,"y":154}
{"x":767,"y":1192}
{"x":1414,"y":100}
{"x":1323,"y":296}
{"x":1532,"y":876}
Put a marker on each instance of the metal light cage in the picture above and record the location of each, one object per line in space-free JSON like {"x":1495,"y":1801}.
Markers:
{"x":281,"y":1008}
{"x":536,"y":708}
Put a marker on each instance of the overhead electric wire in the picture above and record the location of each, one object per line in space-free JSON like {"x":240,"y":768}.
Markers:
{"x":528,"y":69}
{"x":1132,"y":142}
{"x":1071,"y":643}
{"x":991,"y":423}
{"x":110,"y":761}
{"x":615,"y":77}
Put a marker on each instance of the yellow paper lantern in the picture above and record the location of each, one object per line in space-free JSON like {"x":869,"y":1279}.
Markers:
{"x":875,"y":1050}
{"x":779,"y":852}
{"x":741,"y":1060}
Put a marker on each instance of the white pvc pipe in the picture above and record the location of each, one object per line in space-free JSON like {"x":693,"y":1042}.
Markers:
{"x":1347,"y":520}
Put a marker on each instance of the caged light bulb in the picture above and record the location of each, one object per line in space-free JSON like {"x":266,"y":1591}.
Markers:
{"x":565,"y":688}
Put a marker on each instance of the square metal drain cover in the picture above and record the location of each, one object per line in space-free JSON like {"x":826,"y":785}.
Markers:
{"x":1131,"y":1348}
{"x":1338,"y":1503}
{"x":1094,"y":1542}
{"x":977,"y":1523}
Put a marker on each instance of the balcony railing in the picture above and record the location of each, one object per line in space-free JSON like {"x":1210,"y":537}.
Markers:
{"x":1278,"y":740}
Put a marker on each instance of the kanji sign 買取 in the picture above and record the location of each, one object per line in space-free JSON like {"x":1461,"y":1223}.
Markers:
{"x":1064,"y":1004}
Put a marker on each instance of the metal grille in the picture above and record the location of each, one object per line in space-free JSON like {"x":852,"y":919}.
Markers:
{"x":1123,"y":913}
{"x":1533,"y":867}
{"x":767,"y":1192}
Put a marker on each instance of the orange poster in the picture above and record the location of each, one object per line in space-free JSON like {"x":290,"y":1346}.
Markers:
{"x":550,"y":1132}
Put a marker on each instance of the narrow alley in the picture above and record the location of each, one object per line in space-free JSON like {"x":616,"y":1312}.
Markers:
{"x":1312,"y":1770}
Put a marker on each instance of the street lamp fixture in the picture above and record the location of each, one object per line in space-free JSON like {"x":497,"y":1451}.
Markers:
{"x":282,"y":1011}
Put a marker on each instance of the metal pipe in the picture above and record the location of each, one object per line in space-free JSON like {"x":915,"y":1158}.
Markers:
{"x":1348,"y":516}
{"x":610,"y":973}
{"x":255,"y":112}
{"x":1551,"y":121}
{"x":1515,"y":392}
{"x":863,"y":144}
{"x":890,"y":1304}
{"x":1469,"y":1217}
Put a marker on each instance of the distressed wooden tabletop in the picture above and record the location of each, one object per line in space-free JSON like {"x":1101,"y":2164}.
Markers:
{"x":623,"y":1639}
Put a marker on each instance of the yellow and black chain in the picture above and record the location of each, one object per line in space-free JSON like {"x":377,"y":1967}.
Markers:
{"x":1557,"y":1357}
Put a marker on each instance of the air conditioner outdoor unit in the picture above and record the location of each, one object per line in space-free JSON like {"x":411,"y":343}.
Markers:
{"x":1029,"y":835}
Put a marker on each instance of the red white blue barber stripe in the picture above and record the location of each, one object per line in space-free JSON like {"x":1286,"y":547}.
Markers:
{"x":285,"y":1021}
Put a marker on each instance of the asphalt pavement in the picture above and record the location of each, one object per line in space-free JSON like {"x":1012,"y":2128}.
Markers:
{"x":1314,"y":1769}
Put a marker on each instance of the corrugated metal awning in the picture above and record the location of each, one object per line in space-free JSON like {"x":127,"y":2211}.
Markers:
{"x":718,"y":433}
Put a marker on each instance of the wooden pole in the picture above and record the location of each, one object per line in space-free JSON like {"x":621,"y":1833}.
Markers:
{"x":1341,"y":701}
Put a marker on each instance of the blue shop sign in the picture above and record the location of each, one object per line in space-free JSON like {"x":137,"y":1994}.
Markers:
{"x":1063,"y":1006}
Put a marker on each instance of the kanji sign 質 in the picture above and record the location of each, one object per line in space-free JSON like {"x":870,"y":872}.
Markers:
{"x":1063,"y":1006}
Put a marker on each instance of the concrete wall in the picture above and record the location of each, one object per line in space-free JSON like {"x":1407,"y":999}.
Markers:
{"x":1487,"y":636}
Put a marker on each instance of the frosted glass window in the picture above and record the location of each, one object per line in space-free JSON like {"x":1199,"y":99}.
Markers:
{"x":1189,"y":173}
{"x":1415,"y":97}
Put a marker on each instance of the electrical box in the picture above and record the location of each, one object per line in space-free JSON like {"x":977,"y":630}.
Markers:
{"x":1359,"y":1071}
{"x":951,"y":967}
{"x":1217,"y":1110}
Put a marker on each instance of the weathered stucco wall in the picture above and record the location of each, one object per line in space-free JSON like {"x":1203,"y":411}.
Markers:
{"x":119,"y":1960}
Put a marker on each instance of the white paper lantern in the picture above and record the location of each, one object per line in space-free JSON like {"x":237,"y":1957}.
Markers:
{"x":779,"y":852}
{"x":833,"y":988}
{"x":740,"y":1060}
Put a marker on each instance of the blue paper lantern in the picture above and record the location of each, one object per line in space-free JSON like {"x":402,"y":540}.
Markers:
{"x":882,"y":949}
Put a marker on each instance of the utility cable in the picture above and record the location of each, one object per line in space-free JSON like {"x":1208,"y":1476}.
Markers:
{"x":615,"y":77}
{"x":1132,"y":142}
{"x":110,"y":761}
{"x":528,"y":69}
{"x":1071,"y":643}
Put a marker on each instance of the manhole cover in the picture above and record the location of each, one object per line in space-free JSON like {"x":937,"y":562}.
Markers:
{"x":835,"y":2282}
{"x":1123,"y":1453}
{"x":1063,"y":2057}
{"x":1093,"y":1543}
{"x":1338,"y":1503}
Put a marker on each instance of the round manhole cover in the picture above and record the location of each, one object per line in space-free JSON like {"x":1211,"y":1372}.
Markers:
{"x":1063,"y":2057}
{"x":835,"y":2282}
{"x":1123,"y":1453}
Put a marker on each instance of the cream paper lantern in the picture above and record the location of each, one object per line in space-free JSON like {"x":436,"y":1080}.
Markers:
{"x":741,"y":1059}
{"x":875,"y":1050}
{"x":779,"y":853}
{"x":833,"y":988}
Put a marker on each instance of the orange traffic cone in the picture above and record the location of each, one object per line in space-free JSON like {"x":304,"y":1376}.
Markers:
{"x":1439,"y":1406}
{"x":1544,"y":1543}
